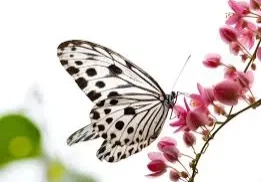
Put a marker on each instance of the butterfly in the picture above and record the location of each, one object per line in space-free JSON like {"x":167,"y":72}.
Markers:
{"x":130,"y":106}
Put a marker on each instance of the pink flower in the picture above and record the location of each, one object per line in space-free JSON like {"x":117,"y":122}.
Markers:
{"x":228,"y":34}
{"x":166,"y":142}
{"x":171,"y":153}
{"x":191,"y":119}
{"x":155,"y":156}
{"x":258,"y":54}
{"x":234,"y":48}
{"x":212,"y":61}
{"x":174,"y":175}
{"x":227,"y":92}
{"x":219,"y":109}
{"x":233,"y":19}
{"x":230,"y":72}
{"x":241,"y":24}
{"x":247,"y":38}
{"x":189,"y":139}
{"x":241,"y":8}
{"x":195,"y":119}
{"x":182,"y":115}
{"x":158,"y":167}
{"x":245,"y":80}
{"x":204,"y":98}
{"x":157,"y":164}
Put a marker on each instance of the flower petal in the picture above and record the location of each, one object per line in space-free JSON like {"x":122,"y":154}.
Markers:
{"x":166,"y":142}
{"x":241,"y":8}
{"x":174,"y":175}
{"x":212,"y":60}
{"x":227,"y":92}
{"x":189,"y":139}
{"x":196,"y":119}
{"x":233,"y":19}
{"x":155,"y":156}
{"x":156,"y":166}
{"x":228,"y":34}
{"x":156,"y":174}
{"x":171,"y":153}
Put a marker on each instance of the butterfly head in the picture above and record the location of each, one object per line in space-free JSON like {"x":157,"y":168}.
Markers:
{"x":171,"y":99}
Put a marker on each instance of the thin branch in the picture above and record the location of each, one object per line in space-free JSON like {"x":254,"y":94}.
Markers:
{"x":230,"y":117}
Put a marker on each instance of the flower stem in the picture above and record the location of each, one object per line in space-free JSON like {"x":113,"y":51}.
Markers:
{"x":255,"y":105}
{"x":253,"y":57}
{"x":184,"y":167}
{"x":228,"y":119}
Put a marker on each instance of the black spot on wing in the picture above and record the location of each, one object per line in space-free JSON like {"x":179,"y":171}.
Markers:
{"x":109,"y":120}
{"x":123,"y":156}
{"x":93,"y":95}
{"x":78,"y":62}
{"x":111,"y":159}
{"x":72,"y":70}
{"x":95,"y":115}
{"x":114,"y":102}
{"x":104,"y":135}
{"x":101,"y":103}
{"x":81,"y":82}
{"x":117,"y":143}
{"x":101,"y":127}
{"x":130,"y":130}
{"x":100,"y":84}
{"x":91,"y":72}
{"x":114,"y":69}
{"x":113,"y":93}
{"x":119,"y":125}
{"x":129,"y":111}
{"x":113,"y":135}
{"x":64,"y":62}
{"x":107,"y":111}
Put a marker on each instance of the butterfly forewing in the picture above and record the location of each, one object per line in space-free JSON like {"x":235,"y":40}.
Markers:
{"x":129,"y":111}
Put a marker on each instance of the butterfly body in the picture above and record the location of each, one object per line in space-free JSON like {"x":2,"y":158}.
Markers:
{"x":130,"y":107}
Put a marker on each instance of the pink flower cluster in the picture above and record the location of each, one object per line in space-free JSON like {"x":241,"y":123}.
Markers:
{"x":198,"y":117}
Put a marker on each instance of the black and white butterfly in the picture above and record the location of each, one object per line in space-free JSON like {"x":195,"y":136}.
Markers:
{"x":130,"y":107}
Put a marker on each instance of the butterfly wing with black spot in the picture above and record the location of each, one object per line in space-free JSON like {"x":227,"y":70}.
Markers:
{"x":129,"y":111}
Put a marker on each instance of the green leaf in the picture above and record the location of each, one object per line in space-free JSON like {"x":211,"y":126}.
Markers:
{"x":19,"y":138}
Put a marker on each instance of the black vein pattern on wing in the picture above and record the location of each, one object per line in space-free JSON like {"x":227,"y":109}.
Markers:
{"x":162,"y":107}
{"x":109,"y":52}
{"x":152,"y":107}
{"x":129,"y":84}
{"x":138,"y":127}
{"x":132,"y":64}
{"x":112,"y":124}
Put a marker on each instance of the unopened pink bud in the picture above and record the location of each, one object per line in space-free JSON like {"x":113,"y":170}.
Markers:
{"x":227,"y":92}
{"x":212,"y":61}
{"x":228,"y":34}
{"x":189,"y":139}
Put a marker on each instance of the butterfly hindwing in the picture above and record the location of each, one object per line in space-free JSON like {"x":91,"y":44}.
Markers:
{"x":129,"y":110}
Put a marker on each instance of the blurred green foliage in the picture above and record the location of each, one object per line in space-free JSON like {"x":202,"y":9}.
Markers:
{"x":57,"y":173}
{"x":20,"y":139}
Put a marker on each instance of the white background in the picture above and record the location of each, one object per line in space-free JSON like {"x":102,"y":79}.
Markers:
{"x":156,"y":35}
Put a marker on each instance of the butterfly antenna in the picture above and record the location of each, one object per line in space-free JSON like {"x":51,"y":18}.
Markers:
{"x":182,"y":69}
